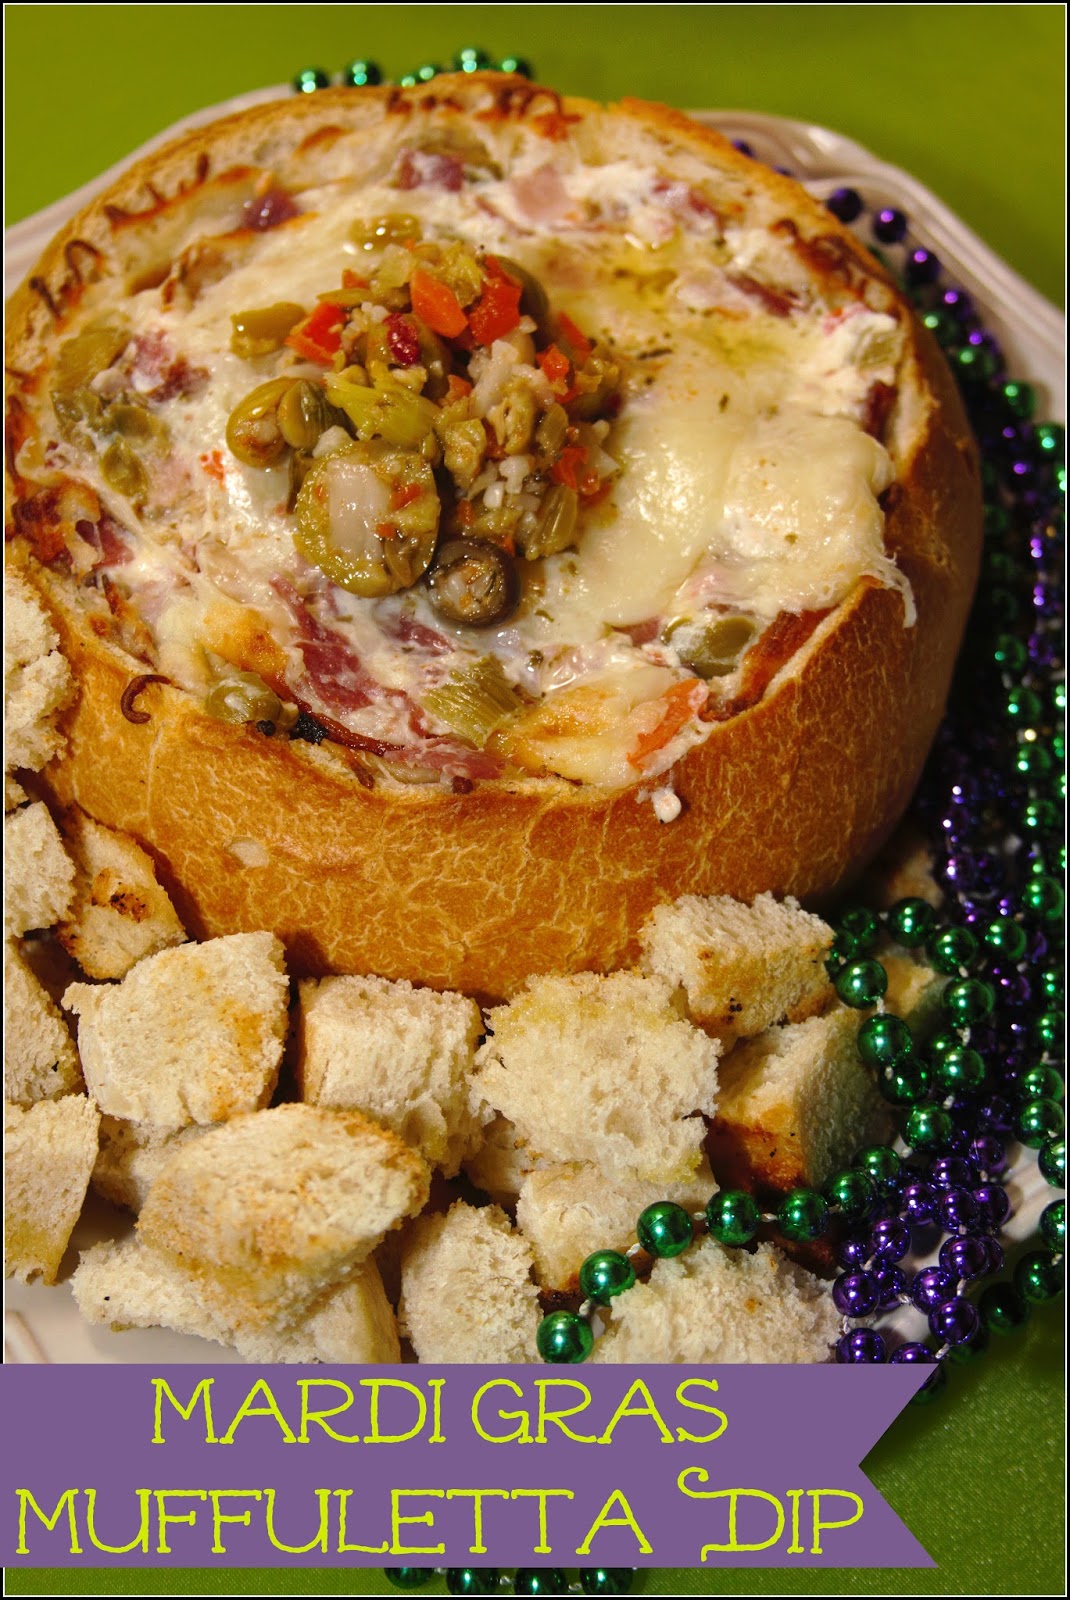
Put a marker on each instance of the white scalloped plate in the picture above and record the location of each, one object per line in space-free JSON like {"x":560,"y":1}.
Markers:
{"x":43,"y":1324}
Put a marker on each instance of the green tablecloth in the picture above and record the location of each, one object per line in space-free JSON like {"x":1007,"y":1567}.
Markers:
{"x":969,"y":99}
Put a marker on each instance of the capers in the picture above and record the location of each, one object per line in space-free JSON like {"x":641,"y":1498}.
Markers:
{"x":303,"y":414}
{"x":262,"y":331}
{"x":243,"y":697}
{"x":555,"y":524}
{"x":711,"y":647}
{"x":253,"y":432}
{"x":390,"y":229}
{"x":89,"y":352}
{"x":123,"y":472}
{"x":473,"y":583}
{"x":367,"y":516}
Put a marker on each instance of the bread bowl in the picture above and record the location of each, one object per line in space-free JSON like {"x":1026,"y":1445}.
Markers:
{"x":809,"y":749}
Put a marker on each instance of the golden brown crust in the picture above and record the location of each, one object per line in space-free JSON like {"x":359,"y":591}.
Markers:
{"x":478,"y":891}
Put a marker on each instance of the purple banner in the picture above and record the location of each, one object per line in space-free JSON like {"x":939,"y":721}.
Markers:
{"x":449,"y":1466}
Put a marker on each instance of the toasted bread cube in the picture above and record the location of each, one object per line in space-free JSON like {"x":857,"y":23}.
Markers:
{"x":565,"y":1212}
{"x":37,"y":680}
{"x":119,"y":914}
{"x":743,"y":967}
{"x":193,"y":1034}
{"x":129,"y":1285}
{"x":40,"y":1061}
{"x":402,"y":1055}
{"x":467,"y":1293}
{"x":270,"y":1210}
{"x":719,"y":1305}
{"x":49,"y":1149}
{"x":14,"y":794}
{"x":796,"y":1102}
{"x":38,"y":872}
{"x":131,"y":1155}
{"x":914,"y":993}
{"x":602,"y":1070}
{"x":500,"y":1162}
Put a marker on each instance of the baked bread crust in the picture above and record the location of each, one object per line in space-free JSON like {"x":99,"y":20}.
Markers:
{"x":477,"y":891}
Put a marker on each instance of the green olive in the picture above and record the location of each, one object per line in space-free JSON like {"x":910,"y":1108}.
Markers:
{"x":555,"y":525}
{"x":712,"y":646}
{"x":123,"y":472}
{"x":77,"y":410}
{"x":551,"y":431}
{"x":253,"y":432}
{"x":473,"y":583}
{"x":135,"y":423}
{"x":262,"y":331}
{"x":89,"y":352}
{"x":367,"y":516}
{"x":380,"y":231}
{"x":303,"y":414}
{"x":243,"y":697}
{"x":300,"y":466}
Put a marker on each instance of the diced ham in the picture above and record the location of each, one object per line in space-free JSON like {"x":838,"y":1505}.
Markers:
{"x":429,"y":169}
{"x":106,"y":538}
{"x":157,"y":372}
{"x":540,"y":196}
{"x":684,"y":201}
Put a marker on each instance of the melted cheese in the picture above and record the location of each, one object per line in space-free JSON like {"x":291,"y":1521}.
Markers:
{"x":746,"y":479}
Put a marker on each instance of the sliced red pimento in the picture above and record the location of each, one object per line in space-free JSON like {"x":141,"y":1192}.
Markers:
{"x":556,"y":368}
{"x":436,"y":305}
{"x":567,"y":465}
{"x":681,"y":704}
{"x":466,"y":514}
{"x":353,"y":280}
{"x":497,"y":311}
{"x":457,"y":388}
{"x":403,"y":495}
{"x":319,"y":337}
{"x":386,"y":530}
{"x":579,"y":343}
{"x":403,"y":339}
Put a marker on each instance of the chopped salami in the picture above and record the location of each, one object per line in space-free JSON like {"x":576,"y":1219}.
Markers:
{"x":158,"y":373}
{"x":267,"y":210}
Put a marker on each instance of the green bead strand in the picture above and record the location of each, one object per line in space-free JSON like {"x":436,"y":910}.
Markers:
{"x":1020,"y":398}
{"x":472,"y":1580}
{"x":960,"y":1071}
{"x":952,"y":950}
{"x":1040,"y":1083}
{"x":863,"y":925}
{"x":605,"y":1274}
{"x":1024,"y":706}
{"x":905,"y":1084}
{"x":911,"y":922}
{"x":803,"y":1215}
{"x":540,"y":1580}
{"x":1050,"y":439}
{"x":564,"y":1338}
{"x":1038,"y":1278}
{"x":928,"y":1129}
{"x":1048,"y":1029}
{"x":517,"y":65}
{"x":732,"y":1217}
{"x":1041,"y":816}
{"x":1052,"y":1162}
{"x":307,"y":81}
{"x":1006,"y":938}
{"x":471,"y":60}
{"x":362,"y":75}
{"x":1053,"y":1226}
{"x":881,"y":1165}
{"x":852,"y":1192}
{"x":1038,"y":1121}
{"x":408,"y":1577}
{"x":664,"y":1229}
{"x":606,"y":1580}
{"x":1009,"y":653}
{"x":969,"y":1352}
{"x":1002,"y":1309}
{"x":968,"y":1001}
{"x":883,"y":1040}
{"x":932,"y":1388}
{"x":861,"y":984}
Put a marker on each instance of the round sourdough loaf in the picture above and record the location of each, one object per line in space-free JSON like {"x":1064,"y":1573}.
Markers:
{"x":477,"y":882}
